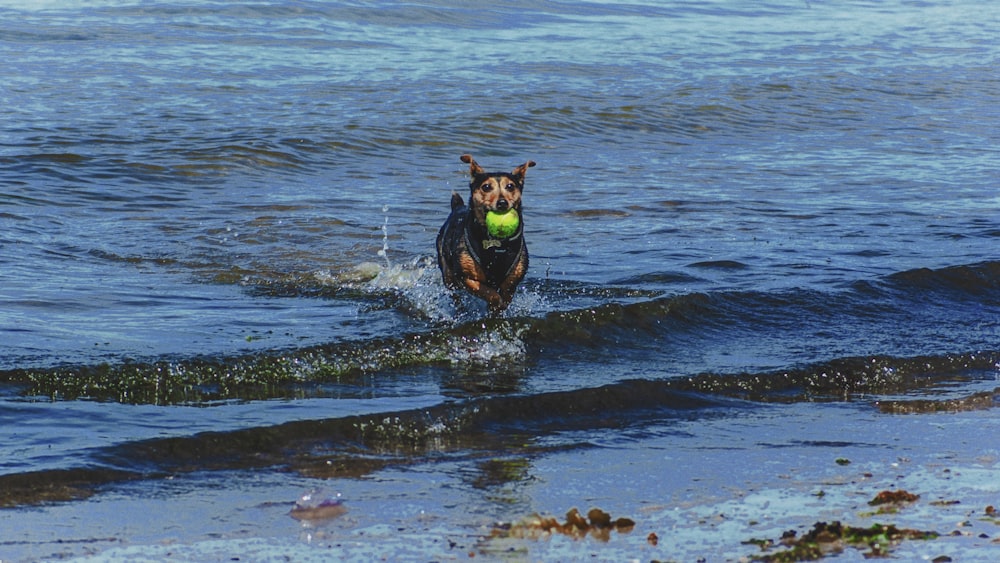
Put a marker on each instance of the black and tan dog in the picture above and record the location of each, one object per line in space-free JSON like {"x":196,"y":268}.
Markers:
{"x":470,"y":258}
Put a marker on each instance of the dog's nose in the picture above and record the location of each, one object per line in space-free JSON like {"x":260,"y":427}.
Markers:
{"x":502,"y":204}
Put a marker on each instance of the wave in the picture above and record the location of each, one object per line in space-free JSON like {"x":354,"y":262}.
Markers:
{"x":976,"y":281}
{"x":355,"y":445}
{"x":863,"y":320}
{"x":850,"y":378}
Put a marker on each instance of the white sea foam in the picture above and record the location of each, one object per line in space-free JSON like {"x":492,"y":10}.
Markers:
{"x":501,"y":342}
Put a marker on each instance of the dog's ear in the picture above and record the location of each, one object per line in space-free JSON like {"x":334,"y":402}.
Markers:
{"x":474,"y":167}
{"x":521,"y":170}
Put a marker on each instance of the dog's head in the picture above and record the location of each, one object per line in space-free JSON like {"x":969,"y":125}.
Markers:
{"x":494,"y":191}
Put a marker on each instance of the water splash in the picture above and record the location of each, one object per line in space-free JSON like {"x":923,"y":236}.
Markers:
{"x":384,"y":253}
{"x":420,"y":293}
{"x":501,"y":342}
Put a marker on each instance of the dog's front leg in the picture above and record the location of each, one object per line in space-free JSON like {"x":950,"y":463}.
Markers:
{"x":509,"y":285}
{"x":492,"y":298}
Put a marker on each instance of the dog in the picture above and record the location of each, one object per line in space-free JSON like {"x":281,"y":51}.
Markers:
{"x":469,"y":257}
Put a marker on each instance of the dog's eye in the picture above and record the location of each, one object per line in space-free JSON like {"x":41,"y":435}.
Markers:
{"x":486,"y":188}
{"x":510,"y":187}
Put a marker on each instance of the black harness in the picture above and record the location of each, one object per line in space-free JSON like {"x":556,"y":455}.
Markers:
{"x":498,"y":256}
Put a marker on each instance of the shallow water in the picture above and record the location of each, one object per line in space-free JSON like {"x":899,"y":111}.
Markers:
{"x":217,"y":225}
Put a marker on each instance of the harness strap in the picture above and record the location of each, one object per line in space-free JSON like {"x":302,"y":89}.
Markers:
{"x":491,"y":243}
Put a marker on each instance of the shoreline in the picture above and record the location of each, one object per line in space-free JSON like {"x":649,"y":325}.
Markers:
{"x":699,"y":486}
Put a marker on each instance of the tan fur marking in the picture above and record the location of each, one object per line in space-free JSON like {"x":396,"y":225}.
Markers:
{"x":523,"y":169}
{"x":509,"y":286}
{"x":475,"y":279}
{"x":486,"y":195}
{"x":474,"y":167}
{"x":470,"y":268}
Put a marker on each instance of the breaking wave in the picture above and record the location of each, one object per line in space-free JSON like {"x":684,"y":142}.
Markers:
{"x":355,"y":445}
{"x":964,"y":301}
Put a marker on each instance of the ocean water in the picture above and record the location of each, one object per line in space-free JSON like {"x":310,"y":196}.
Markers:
{"x":218,"y":285}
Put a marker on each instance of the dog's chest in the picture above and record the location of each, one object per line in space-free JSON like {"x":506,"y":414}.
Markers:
{"x":498,"y":256}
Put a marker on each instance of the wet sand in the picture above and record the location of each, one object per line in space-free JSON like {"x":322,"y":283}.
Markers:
{"x":717,"y":488}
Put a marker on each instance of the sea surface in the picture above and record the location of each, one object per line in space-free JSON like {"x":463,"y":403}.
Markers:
{"x":760,"y":232}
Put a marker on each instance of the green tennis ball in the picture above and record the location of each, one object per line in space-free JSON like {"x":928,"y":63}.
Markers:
{"x":502,"y":225}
